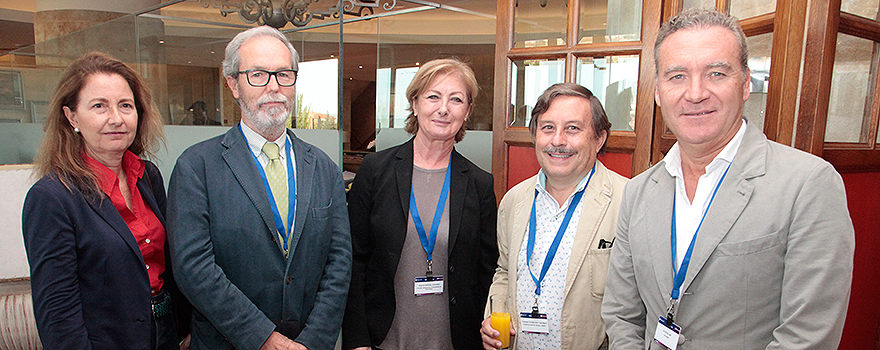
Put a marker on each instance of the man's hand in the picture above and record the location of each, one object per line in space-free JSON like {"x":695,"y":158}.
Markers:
{"x":277,"y":341}
{"x":489,"y":334}
{"x":362,"y":348}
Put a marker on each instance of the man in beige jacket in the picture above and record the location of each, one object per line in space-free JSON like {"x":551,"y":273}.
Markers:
{"x":556,"y":229}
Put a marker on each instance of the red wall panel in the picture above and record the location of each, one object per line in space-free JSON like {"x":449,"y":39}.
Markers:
{"x":863,"y":315}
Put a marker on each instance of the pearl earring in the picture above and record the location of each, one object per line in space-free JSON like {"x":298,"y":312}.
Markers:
{"x":76,"y":130}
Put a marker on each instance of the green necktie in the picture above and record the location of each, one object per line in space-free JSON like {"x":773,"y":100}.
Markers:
{"x":277,"y":182}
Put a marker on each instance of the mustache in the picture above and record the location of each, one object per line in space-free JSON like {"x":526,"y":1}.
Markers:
{"x":272,"y":98}
{"x":559,"y":150}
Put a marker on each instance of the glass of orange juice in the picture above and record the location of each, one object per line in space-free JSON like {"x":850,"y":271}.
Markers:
{"x":500,"y":318}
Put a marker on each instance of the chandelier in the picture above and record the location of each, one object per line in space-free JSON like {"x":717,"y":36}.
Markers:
{"x":277,"y":13}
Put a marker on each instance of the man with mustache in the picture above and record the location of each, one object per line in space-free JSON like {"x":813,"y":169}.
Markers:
{"x":258,"y":225}
{"x":556,"y":229}
{"x":732,"y":241}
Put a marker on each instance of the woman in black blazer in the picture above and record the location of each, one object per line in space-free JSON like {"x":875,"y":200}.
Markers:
{"x":94,"y":223}
{"x":423,"y":228}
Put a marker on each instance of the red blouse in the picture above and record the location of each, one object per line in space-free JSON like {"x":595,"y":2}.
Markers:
{"x":141,"y":220}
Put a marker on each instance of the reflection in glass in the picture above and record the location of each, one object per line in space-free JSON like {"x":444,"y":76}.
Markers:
{"x":867,"y":9}
{"x":405,"y":41}
{"x":609,"y":21}
{"x":850,"y":101}
{"x":528,"y":80}
{"x":759,"y":64}
{"x":614,"y":80}
{"x":539,"y":23}
{"x":700,"y":4}
{"x":743,"y":9}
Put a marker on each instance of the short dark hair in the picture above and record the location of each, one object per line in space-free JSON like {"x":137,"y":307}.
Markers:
{"x":600,"y":119}
{"x":696,"y":18}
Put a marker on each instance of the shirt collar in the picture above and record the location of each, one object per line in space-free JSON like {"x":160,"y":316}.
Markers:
{"x":256,"y":141}
{"x":541,"y":185}
{"x":672,"y":159}
{"x":132,"y":165}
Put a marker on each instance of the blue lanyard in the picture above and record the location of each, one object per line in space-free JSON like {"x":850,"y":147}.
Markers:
{"x":551,"y":253}
{"x":428,"y":242}
{"x":680,"y":274}
{"x":291,"y":188}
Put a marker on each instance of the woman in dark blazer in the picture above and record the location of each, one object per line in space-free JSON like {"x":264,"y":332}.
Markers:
{"x":423,"y":256}
{"x":94,"y":223}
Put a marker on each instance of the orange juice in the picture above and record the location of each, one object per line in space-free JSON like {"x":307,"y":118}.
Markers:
{"x":500,"y":321}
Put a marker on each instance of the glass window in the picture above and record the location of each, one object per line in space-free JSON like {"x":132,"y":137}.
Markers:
{"x":743,"y":9}
{"x":850,"y":102}
{"x":759,"y":64}
{"x":540,"y":23}
{"x":609,"y":21}
{"x":614,"y":80}
{"x":528,"y":80}
{"x":700,"y":4}
{"x":867,"y":9}
{"x":317,"y":94}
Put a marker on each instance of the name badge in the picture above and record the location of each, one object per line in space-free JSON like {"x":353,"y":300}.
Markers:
{"x":667,"y":335}
{"x":534,"y":323}
{"x":426,"y":285}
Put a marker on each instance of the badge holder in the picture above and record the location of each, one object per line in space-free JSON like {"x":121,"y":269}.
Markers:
{"x":668,"y":333}
{"x":429,"y":283}
{"x":534,"y":322}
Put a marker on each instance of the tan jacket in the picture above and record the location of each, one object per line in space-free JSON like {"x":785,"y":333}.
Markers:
{"x":582,"y":326}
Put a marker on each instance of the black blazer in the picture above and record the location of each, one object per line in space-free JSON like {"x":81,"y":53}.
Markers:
{"x":90,"y":287}
{"x":378,"y":206}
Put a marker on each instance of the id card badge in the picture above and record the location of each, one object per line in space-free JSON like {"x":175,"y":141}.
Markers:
{"x":427,"y":285}
{"x":667,"y":335}
{"x":534,"y":323}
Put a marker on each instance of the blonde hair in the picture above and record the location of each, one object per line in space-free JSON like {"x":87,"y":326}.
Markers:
{"x":424,"y":77}
{"x":61,"y":151}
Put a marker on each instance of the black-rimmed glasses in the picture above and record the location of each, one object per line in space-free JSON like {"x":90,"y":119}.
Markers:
{"x":260,"y":77}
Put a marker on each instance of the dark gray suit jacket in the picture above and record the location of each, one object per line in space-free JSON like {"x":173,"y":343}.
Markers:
{"x":771,"y":267}
{"x":231,"y":265}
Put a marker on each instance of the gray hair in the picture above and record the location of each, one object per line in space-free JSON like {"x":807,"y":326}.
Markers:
{"x":696,"y":18}
{"x":600,"y":119}
{"x":233,"y":55}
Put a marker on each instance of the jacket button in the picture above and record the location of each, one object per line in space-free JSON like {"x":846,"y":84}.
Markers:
{"x":288,"y":279}
{"x":141,"y":319}
{"x":452,"y":300}
{"x":451,"y":269}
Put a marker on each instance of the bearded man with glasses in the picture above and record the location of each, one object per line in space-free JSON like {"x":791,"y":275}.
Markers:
{"x":258,"y":225}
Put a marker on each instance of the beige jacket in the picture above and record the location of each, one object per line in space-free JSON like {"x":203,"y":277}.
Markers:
{"x":582,"y":326}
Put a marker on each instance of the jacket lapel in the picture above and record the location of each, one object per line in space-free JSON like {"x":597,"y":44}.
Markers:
{"x":305,"y":169}
{"x":661,"y":191}
{"x":457,"y":193}
{"x":521,"y":214}
{"x":594,"y":205}
{"x":731,"y":200}
{"x":104,"y":207}
{"x":240,"y":160}
{"x":148,"y":195}
{"x":403,"y":166}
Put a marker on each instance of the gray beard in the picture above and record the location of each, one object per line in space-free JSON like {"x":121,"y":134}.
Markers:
{"x":266,"y":121}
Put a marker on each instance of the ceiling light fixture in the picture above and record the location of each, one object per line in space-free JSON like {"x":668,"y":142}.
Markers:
{"x":277,"y":13}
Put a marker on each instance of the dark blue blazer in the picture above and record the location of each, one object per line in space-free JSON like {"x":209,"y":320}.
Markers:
{"x":228,"y":259}
{"x":378,"y":204}
{"x":90,"y":285}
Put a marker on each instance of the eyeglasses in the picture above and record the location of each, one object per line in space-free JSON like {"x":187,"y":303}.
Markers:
{"x":260,"y":77}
